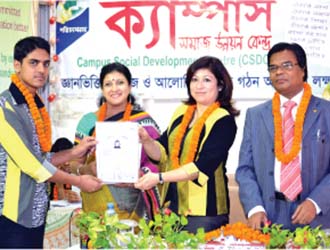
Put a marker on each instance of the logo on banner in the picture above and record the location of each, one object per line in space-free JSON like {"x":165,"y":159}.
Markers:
{"x":72,"y":22}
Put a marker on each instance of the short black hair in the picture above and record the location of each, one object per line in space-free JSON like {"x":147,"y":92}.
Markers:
{"x":296,"y":49}
{"x":28,"y":44}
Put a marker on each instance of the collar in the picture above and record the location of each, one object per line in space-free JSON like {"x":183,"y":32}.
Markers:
{"x":19,"y":97}
{"x":296,"y":98}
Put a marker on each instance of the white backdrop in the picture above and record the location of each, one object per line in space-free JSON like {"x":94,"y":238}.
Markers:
{"x":157,"y":40}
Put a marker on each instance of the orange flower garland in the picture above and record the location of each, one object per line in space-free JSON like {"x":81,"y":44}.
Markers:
{"x":212,"y":235}
{"x":103,"y":112}
{"x":40,"y":116}
{"x":197,"y":128}
{"x":240,"y":231}
{"x":298,"y":126}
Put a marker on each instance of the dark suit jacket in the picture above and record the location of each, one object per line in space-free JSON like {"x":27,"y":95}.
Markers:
{"x":255,"y":173}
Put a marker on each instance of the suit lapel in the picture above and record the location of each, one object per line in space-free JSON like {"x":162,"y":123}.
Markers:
{"x":267,"y":116}
{"x":311,"y":114}
{"x":310,"y":117}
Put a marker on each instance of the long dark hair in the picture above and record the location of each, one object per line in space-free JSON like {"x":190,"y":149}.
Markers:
{"x":224,"y":81}
{"x":117,"y":67}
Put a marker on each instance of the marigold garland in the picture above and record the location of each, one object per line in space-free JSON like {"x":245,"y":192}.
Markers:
{"x":212,"y":235}
{"x":240,"y":231}
{"x":102,"y":112}
{"x":40,"y":116}
{"x":298,"y":126}
{"x":197,"y":128}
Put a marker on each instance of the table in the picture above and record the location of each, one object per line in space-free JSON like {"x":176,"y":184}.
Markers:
{"x":60,"y":230}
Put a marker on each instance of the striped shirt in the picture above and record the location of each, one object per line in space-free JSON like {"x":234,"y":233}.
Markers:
{"x":23,"y":167}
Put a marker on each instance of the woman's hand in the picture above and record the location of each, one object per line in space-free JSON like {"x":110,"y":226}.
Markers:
{"x":144,"y":136}
{"x":72,"y":196}
{"x":149,"y":144}
{"x":143,"y":171}
{"x":88,"y":168}
{"x":65,"y":167}
{"x":147,"y":181}
{"x":91,"y":166}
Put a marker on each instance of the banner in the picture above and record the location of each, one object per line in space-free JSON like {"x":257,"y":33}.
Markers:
{"x":16,"y":22}
{"x":158,"y":40}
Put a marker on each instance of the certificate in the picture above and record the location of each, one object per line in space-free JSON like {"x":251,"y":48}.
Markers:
{"x":118,"y":152}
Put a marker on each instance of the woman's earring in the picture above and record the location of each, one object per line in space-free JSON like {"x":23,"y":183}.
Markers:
{"x":219,"y":89}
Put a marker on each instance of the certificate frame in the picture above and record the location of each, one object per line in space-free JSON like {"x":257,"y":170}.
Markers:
{"x":118,"y":152}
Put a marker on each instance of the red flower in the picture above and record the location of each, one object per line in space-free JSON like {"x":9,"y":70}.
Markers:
{"x":268,"y":223}
{"x":167,"y":211}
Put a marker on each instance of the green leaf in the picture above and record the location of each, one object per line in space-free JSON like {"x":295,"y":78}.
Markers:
{"x":184,"y":221}
{"x":164,"y":232}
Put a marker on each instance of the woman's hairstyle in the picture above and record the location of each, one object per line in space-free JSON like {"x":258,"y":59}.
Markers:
{"x":26,"y":45}
{"x":296,"y":49}
{"x":116,"y":67}
{"x":60,"y":144}
{"x":224,"y":82}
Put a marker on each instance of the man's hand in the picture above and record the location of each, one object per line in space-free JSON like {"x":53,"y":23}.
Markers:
{"x":305,"y":213}
{"x":257,"y":220}
{"x":89,"y":183}
{"x":87,"y":145}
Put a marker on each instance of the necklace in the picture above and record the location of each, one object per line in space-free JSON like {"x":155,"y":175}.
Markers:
{"x":298,"y":126}
{"x":40,"y":116}
{"x":197,"y":129}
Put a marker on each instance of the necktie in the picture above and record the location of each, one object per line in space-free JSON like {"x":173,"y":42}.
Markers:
{"x":291,"y":185}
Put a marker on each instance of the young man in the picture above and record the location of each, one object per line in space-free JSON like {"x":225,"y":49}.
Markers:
{"x":284,"y":162}
{"x":25,"y":143}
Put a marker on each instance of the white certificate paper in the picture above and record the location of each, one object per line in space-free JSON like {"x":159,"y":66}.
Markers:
{"x":118,"y":152}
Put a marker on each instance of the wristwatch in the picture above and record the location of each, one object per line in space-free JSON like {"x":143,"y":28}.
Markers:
{"x":161,"y":181}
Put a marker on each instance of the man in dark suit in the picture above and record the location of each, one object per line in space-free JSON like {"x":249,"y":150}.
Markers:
{"x":264,"y":156}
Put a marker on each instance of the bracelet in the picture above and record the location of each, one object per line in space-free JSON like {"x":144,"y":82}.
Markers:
{"x":78,"y":171}
{"x":161,"y":180}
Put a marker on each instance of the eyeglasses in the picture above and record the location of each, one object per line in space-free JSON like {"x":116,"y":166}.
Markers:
{"x":287,"y":66}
